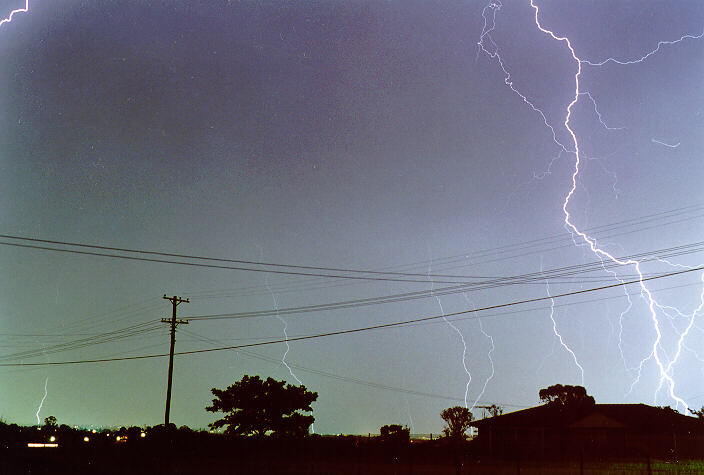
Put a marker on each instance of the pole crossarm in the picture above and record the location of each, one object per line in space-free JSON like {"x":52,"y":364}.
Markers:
{"x":173,"y":322}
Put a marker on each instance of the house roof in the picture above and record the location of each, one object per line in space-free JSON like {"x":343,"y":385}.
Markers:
{"x":633,"y":416}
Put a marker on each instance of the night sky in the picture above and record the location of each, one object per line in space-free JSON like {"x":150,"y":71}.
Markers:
{"x":362,"y":135}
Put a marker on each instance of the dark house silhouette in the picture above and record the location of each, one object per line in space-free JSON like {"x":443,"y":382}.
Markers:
{"x":592,"y":430}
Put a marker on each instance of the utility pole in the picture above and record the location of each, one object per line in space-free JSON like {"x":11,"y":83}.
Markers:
{"x":175,"y":301}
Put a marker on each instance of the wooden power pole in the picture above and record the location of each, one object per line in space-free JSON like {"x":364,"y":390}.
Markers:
{"x":175,"y":301}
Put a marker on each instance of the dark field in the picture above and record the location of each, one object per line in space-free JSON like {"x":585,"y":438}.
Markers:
{"x":204,"y":453}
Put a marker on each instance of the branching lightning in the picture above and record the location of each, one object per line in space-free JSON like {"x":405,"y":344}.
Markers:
{"x":491,"y":360}
{"x":487,"y":45}
{"x":41,"y":404}
{"x":557,"y":333}
{"x":629,"y":61}
{"x":461,"y":335}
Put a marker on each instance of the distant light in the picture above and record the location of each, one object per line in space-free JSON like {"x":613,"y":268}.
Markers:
{"x":143,"y":435}
{"x":117,"y":438}
{"x":93,"y":431}
{"x":52,"y":439}
{"x":86,"y":439}
{"x":35,"y":444}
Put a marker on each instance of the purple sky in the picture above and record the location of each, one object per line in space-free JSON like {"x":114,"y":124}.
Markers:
{"x":355,"y":135}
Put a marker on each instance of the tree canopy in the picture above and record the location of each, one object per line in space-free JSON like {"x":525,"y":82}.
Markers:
{"x":253,"y":406}
{"x":457,"y":419}
{"x":565,"y":395}
{"x":395,"y":432}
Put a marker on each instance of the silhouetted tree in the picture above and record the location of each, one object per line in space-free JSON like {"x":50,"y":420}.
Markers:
{"x":50,"y":422}
{"x":699,"y":413}
{"x":395,"y":432}
{"x":253,"y":406}
{"x":495,"y":410}
{"x":458,"y":420}
{"x":565,"y":395}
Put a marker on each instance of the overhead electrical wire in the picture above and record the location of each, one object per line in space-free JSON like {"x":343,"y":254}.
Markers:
{"x":477,"y":256}
{"x":363,"y":329}
{"x":120,"y":334}
{"x":337,"y":377}
{"x":406,"y":296}
{"x":137,"y":330}
{"x":373,"y":273}
{"x":563,"y":272}
{"x":43,"y":350}
{"x":700,"y":247}
{"x":213,"y":266}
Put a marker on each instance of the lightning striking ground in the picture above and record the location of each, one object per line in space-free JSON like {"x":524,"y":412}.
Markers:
{"x":487,"y":45}
{"x":557,"y":333}
{"x":491,"y":360}
{"x":457,"y":330}
{"x":41,"y":404}
{"x":285,"y":328}
{"x":664,"y":373}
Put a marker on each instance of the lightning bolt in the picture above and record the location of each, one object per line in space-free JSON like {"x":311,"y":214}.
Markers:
{"x":691,"y":321}
{"x":46,"y":393}
{"x":2,"y":22}
{"x":410,"y":415}
{"x":665,"y":376}
{"x":665,"y":144}
{"x":285,"y":331}
{"x":557,"y":333}
{"x":285,"y":328}
{"x":459,"y":333}
{"x":491,"y":360}
{"x":487,"y":45}
{"x":630,"y":61}
{"x":14,"y":12}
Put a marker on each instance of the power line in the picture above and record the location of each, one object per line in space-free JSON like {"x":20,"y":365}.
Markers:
{"x":339,"y":377}
{"x":234,"y":261}
{"x":100,"y":338}
{"x":514,"y":312}
{"x":304,"y":267}
{"x":535,"y":277}
{"x":362,"y":329}
{"x":512,"y":250}
{"x":215,"y":266}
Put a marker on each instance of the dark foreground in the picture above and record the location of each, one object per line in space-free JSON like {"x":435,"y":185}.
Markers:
{"x":214,"y":454}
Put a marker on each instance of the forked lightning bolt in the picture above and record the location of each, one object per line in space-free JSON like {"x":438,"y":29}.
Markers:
{"x":557,"y":333}
{"x":487,"y":45}
{"x":459,"y":333}
{"x":491,"y":360}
